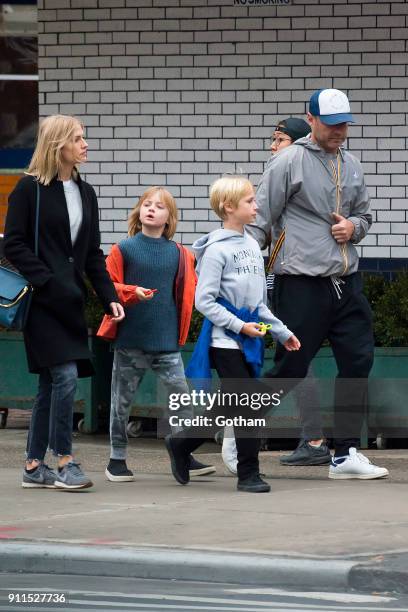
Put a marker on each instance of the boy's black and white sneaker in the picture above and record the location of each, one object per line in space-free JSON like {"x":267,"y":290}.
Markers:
{"x":179,"y":461}
{"x":196,"y":468}
{"x":253,"y":484}
{"x":307,"y":454}
{"x":42,"y":477}
{"x":118,"y":471}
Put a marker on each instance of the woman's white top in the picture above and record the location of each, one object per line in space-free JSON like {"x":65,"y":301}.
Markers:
{"x":74,"y":205}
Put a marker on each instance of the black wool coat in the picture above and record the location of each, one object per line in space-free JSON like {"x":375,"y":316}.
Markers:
{"x":56,"y":330}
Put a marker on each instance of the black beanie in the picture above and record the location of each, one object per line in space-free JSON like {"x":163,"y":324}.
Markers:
{"x":294,"y":127}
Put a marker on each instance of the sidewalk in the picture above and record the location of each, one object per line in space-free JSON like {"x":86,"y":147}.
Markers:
{"x":308,"y":530}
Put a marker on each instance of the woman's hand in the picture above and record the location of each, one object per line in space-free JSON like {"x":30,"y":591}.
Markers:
{"x":292,"y":344}
{"x":118,"y":313}
{"x":144,"y":294}
{"x":253,"y":330}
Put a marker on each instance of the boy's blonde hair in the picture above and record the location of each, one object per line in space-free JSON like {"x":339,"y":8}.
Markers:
{"x":228,"y":190}
{"x":134,"y":223}
{"x":54,"y":133}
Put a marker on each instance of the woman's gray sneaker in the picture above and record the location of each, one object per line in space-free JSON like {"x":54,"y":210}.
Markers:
{"x":72,"y":477}
{"x":41,"y":478}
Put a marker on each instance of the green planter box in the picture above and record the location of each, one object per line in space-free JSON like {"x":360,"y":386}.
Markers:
{"x":388,"y":392}
{"x":387,"y":413}
{"x":18,"y":388}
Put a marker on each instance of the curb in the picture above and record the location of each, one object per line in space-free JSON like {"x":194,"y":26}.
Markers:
{"x":388,"y":573}
{"x":174,"y":564}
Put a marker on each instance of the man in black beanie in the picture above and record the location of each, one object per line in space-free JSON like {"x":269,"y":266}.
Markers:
{"x":287,"y":131}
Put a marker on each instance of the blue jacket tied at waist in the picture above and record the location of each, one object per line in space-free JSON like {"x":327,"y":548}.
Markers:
{"x":199,"y":366}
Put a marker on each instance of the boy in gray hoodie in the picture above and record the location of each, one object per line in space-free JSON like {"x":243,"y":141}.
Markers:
{"x":231,"y":294}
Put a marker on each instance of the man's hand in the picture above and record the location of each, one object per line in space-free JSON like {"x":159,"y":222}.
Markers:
{"x":292,"y":344}
{"x":342,"y":230}
{"x":117,"y":311}
{"x":253,"y":330}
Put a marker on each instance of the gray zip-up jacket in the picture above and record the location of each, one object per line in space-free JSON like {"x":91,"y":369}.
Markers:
{"x":297,"y":194}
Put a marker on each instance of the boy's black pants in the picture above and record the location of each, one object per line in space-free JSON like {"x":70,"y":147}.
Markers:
{"x":231,"y":365}
{"x":315,"y":309}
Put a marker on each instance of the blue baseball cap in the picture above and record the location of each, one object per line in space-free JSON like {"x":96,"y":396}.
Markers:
{"x":331,"y":106}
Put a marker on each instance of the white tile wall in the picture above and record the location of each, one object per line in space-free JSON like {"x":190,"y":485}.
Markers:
{"x":176,"y":92}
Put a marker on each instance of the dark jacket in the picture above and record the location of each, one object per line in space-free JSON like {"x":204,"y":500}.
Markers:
{"x":56,"y":330}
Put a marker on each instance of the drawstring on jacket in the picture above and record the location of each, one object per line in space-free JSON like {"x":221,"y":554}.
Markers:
{"x":337,"y":282}
{"x":336,"y":175}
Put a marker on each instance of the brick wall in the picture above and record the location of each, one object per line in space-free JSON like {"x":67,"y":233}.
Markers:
{"x":7,"y":183}
{"x":176,"y":92}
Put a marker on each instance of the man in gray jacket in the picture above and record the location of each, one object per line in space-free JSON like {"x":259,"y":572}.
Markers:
{"x":314,"y":199}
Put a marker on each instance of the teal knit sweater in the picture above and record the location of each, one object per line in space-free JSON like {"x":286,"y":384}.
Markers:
{"x":150,"y":326}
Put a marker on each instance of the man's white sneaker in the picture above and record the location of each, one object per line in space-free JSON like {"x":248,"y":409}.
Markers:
{"x":355,"y":465}
{"x":229,"y":453}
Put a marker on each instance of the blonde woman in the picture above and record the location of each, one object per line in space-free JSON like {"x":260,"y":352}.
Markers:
{"x":55,"y":336}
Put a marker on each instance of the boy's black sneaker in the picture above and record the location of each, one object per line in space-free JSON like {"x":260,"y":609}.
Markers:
{"x":306,"y":454}
{"x":253,"y":484}
{"x":199,"y":469}
{"x":117,"y":471}
{"x":180,"y":461}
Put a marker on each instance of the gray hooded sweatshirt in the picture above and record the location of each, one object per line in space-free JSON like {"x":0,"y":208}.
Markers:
{"x":230,"y":265}
{"x":297,"y":193}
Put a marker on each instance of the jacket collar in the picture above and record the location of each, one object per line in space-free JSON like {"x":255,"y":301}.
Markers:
{"x":307,"y":143}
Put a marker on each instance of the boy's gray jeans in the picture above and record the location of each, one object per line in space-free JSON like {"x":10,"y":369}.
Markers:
{"x":129,"y":367}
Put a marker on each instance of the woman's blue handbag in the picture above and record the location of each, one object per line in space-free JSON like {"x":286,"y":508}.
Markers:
{"x":15,"y":290}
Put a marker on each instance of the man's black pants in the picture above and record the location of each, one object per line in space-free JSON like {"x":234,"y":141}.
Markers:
{"x":314,"y":308}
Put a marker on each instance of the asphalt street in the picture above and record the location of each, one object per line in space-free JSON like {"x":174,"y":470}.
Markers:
{"x":309,"y":532}
{"x":120,"y":594}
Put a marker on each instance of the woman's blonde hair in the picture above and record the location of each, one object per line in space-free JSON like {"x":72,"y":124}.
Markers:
{"x":134,"y":223}
{"x":54,"y":133}
{"x":228,"y":190}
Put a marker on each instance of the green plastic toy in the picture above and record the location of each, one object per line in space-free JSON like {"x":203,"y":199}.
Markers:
{"x":264,"y":326}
